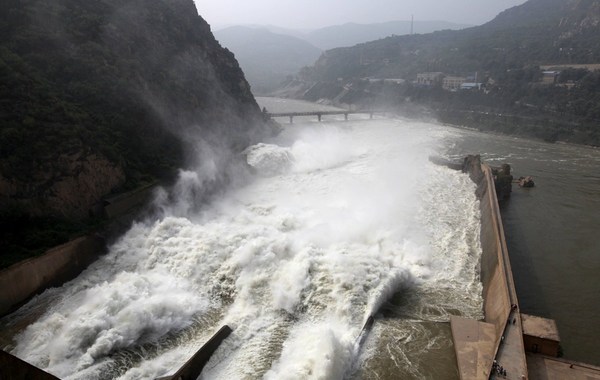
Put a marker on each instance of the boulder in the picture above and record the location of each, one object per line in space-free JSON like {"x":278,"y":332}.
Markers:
{"x":526,"y":181}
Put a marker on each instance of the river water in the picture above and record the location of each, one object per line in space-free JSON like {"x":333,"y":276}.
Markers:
{"x":552,"y":233}
{"x":337,"y":221}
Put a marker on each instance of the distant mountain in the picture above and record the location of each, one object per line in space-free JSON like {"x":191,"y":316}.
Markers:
{"x":298,"y":33}
{"x":507,"y":55}
{"x":266,"y":57}
{"x":351,"y":34}
{"x":537,"y":32}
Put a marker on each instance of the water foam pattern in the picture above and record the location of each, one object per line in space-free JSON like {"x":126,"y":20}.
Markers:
{"x":350,"y":216}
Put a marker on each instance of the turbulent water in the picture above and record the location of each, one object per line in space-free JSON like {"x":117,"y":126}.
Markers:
{"x":338,"y":221}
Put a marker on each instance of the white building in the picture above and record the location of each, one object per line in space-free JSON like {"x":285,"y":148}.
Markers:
{"x":453,"y":83}
{"x":429,"y":79}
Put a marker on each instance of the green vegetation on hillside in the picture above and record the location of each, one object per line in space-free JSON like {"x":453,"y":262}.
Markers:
{"x":130,"y":84}
{"x":504,"y":55}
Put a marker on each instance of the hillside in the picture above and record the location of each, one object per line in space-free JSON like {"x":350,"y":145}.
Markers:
{"x":505,"y":56}
{"x":99,"y":97}
{"x":352,"y":33}
{"x":267,"y":58}
{"x":537,"y":32}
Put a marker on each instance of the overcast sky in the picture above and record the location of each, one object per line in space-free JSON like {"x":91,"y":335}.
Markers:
{"x":307,"y":14}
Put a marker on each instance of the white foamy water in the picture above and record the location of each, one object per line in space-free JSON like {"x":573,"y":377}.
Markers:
{"x":339,"y":221}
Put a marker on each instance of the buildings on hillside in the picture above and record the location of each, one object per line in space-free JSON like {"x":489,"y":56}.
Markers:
{"x":453,"y":83}
{"x":448,"y":82}
{"x":549,"y":76}
{"x":430,"y":79}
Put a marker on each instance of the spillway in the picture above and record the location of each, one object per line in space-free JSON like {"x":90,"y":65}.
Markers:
{"x":334,"y":222}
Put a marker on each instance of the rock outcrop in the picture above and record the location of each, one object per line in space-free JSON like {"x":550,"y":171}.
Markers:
{"x":104,"y":96}
{"x":503,"y":181}
{"x":68,"y":188}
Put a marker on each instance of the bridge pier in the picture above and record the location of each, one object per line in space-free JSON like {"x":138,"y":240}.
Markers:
{"x":319,"y":117}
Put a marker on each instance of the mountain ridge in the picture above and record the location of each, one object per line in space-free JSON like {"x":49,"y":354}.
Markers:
{"x":349,"y":34}
{"x":516,"y":36}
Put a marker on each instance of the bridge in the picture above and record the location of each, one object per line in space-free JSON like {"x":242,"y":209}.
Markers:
{"x":320,"y":114}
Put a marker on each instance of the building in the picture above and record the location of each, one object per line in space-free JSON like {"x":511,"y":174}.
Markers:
{"x":550,"y":77}
{"x":385,"y":80}
{"x":540,"y":335}
{"x":451,"y":83}
{"x":471,"y":86}
{"x":430,"y":79}
{"x":394,"y":80}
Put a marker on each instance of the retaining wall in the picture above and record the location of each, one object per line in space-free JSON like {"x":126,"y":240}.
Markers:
{"x":13,"y":368}
{"x":58,"y":265}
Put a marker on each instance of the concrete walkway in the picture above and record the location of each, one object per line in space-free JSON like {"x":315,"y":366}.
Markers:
{"x":511,"y":350}
{"x":547,"y":368}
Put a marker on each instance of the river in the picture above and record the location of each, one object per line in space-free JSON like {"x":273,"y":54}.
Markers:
{"x":551,"y":230}
{"x":552,"y":233}
{"x":336,"y":221}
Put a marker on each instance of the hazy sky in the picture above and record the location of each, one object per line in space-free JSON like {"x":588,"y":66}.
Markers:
{"x":298,"y":14}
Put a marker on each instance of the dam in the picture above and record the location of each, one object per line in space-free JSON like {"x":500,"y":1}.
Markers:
{"x":340,"y":221}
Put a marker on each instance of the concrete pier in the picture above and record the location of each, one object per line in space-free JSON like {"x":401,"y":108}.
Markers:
{"x":193,"y":367}
{"x":474,"y":345}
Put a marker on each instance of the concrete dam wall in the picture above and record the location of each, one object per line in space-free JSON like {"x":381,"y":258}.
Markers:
{"x":499,"y":336}
{"x":58,"y":265}
{"x":494,"y":277}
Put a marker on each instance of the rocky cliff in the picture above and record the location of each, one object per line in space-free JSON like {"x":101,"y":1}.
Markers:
{"x":104,"y":96}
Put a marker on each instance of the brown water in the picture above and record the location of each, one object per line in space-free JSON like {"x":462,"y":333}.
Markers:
{"x":552,"y":232}
{"x":341,"y":220}
{"x":298,"y":307}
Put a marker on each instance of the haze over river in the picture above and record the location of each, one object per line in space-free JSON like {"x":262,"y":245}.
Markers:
{"x":338,"y":221}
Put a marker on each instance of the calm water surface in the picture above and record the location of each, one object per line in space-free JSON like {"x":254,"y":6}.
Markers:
{"x":553,"y":232}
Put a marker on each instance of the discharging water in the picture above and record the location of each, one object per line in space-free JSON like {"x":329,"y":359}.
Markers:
{"x":338,"y":221}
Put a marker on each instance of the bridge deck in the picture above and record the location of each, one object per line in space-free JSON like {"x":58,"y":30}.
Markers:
{"x":319,"y":114}
{"x":316,"y":113}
